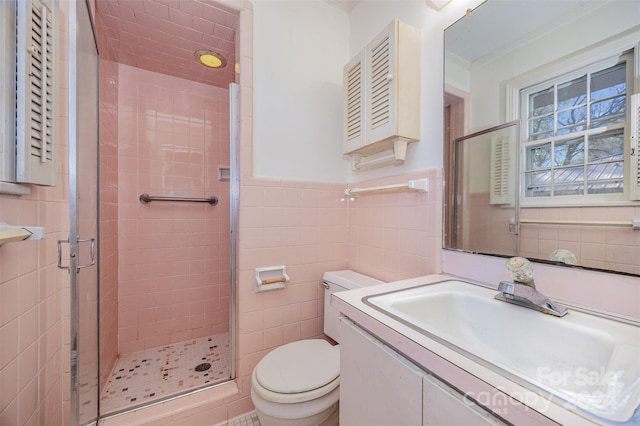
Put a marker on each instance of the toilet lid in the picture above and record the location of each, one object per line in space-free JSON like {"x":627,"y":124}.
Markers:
{"x":299,"y":366}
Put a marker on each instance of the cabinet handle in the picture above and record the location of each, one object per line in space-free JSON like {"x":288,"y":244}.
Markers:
{"x":389,"y":77}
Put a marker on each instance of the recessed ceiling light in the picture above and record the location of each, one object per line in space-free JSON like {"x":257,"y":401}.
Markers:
{"x":210,"y":59}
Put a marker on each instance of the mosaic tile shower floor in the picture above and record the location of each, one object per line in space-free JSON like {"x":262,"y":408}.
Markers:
{"x":142,"y":377}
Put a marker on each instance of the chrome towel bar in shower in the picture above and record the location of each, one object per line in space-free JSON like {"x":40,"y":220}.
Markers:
{"x":146,"y":199}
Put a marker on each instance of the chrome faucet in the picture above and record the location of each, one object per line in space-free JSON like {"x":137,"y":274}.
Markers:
{"x":522,"y":291}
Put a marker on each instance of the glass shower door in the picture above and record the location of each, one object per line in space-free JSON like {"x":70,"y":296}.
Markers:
{"x":83,"y":198}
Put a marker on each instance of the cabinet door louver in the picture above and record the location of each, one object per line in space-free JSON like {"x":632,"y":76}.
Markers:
{"x":501,"y":180}
{"x":36,"y":154}
{"x":354,"y":101}
{"x":634,"y":164}
{"x":380,"y":70}
{"x":354,"y":80}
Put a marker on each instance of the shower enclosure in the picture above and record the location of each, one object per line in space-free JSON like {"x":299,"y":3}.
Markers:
{"x":164,"y":310}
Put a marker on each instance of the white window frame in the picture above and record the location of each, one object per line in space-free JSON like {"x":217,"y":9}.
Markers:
{"x":525,"y":143}
{"x":585,"y":58}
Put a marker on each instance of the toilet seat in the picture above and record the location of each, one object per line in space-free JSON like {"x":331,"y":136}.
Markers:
{"x":298,"y":371}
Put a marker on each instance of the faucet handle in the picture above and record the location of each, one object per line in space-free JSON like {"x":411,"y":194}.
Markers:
{"x":521,"y":271}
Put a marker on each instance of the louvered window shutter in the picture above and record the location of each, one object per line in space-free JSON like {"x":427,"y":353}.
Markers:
{"x":36,"y":150}
{"x":501,"y":179}
{"x":634,"y":164}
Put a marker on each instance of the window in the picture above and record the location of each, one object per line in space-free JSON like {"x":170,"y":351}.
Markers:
{"x":28,"y":146}
{"x":575,"y":135}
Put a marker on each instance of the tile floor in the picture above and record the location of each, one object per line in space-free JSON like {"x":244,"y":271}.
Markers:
{"x":154,"y":374}
{"x":250,"y":419}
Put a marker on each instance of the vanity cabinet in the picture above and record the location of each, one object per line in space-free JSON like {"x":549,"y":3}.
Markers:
{"x":443,"y":405}
{"x":378,"y":386}
{"x":382,"y":94}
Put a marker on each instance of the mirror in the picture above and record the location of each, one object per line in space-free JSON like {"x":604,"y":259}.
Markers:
{"x":539,"y":159}
{"x":483,"y":198}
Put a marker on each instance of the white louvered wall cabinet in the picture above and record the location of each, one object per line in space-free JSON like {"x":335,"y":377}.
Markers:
{"x":382,"y":98}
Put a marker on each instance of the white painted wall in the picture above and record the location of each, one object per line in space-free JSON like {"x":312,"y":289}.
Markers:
{"x":299,"y":50}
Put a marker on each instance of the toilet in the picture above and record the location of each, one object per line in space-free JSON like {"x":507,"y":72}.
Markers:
{"x":298,"y":383}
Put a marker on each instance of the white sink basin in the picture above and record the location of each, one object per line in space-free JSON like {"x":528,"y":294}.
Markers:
{"x":588,"y":361}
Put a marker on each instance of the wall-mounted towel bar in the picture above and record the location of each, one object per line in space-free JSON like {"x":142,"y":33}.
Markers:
{"x":146,"y":199}
{"x":420,"y":185}
{"x":10,"y":234}
{"x":634,"y":224}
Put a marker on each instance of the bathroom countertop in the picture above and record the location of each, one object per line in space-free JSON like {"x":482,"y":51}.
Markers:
{"x":484,"y":384}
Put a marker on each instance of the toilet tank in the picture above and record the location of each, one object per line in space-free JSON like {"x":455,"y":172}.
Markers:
{"x":340,"y":281}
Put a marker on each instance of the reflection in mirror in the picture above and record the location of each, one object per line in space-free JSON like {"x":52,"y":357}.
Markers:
{"x":483,"y":198}
{"x":567,"y":72}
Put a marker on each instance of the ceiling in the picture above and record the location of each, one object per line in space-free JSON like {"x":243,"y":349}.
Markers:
{"x":495,"y":24}
{"x":344,"y":4}
{"x":163,"y":36}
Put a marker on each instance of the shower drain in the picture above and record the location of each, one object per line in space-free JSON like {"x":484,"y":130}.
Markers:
{"x":203,"y":367}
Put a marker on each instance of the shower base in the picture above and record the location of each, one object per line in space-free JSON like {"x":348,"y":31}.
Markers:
{"x":154,"y":374}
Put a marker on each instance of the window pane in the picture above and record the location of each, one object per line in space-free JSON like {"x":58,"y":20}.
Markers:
{"x":573,"y":93}
{"x":538,"y":184}
{"x":608,"y":146}
{"x":569,"y":152}
{"x":605,"y":187}
{"x":609,"y":82}
{"x":569,"y":175}
{"x":539,"y":178}
{"x":614,"y":109}
{"x":541,"y":103}
{"x":572,"y":120}
{"x":575,"y":189}
{"x":539,"y":157}
{"x":541,"y":127}
{"x":538,"y":191}
{"x":605,"y":171}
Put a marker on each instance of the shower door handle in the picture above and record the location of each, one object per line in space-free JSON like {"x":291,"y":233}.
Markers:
{"x":60,"y":265}
{"x":93,"y":252}
{"x":74,"y":255}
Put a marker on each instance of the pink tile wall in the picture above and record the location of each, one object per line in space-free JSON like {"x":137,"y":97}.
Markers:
{"x":609,"y":247}
{"x":303,"y":226}
{"x":108,"y":217}
{"x":397,"y":235}
{"x":34,"y":294}
{"x":312,"y":228}
{"x":484,"y":226}
{"x":173,"y":257}
{"x":603,"y":247}
{"x":32,"y":291}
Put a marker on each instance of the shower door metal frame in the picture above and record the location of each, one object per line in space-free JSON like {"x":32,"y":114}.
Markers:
{"x":75,"y":266}
{"x":234,"y":192}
